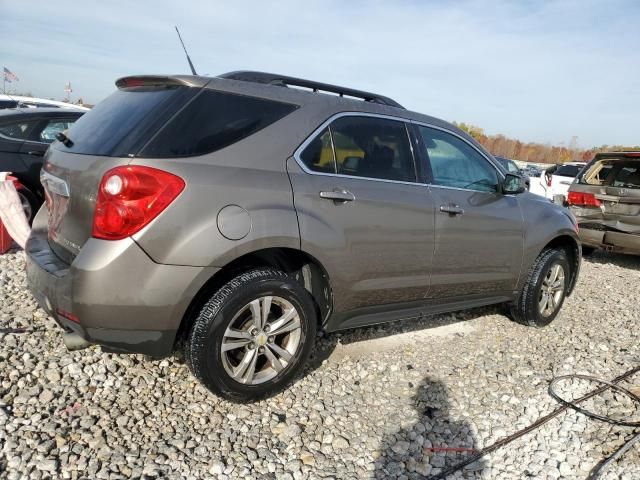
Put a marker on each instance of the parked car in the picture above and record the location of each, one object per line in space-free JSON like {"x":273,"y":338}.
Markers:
{"x":606,"y":201}
{"x":511,"y":167}
{"x":532,"y":171}
{"x":25,"y":134}
{"x":18,"y":101}
{"x":554,"y":181}
{"x":232,"y":217}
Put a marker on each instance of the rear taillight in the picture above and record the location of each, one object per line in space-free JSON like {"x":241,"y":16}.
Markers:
{"x":549,"y":178}
{"x":580,"y":199}
{"x":129,"y":197}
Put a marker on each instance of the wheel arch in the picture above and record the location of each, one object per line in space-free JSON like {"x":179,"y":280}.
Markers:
{"x":572,"y":249}
{"x":303,"y":266}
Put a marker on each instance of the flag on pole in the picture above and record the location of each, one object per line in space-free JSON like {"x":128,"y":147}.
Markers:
{"x":9,"y":76}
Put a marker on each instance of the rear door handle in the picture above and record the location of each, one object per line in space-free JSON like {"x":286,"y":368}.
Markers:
{"x":36,"y":153}
{"x":451,"y":209}
{"x":338,"y":196}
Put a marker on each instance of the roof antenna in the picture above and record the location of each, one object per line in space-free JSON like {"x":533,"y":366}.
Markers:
{"x":193,"y":70}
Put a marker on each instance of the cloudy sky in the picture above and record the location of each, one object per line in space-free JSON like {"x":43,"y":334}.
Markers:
{"x":538,"y":71}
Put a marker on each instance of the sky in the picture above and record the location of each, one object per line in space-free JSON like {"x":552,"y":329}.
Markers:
{"x":542,"y":71}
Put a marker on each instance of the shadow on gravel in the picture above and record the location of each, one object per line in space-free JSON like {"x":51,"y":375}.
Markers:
{"x":434,"y":442}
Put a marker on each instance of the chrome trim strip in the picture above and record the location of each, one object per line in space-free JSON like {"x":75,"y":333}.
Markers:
{"x":326,"y":123}
{"x":54,"y":184}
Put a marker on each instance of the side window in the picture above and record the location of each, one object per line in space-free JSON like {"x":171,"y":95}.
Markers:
{"x":373,"y":147}
{"x":48,"y":133}
{"x":18,"y":130}
{"x":318,"y":155}
{"x":454,"y":163}
{"x":215,"y":120}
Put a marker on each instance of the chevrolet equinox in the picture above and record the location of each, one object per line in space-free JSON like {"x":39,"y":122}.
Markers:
{"x":232,"y":217}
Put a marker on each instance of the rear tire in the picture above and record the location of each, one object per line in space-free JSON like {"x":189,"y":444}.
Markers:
{"x":544,"y":290}
{"x":234,"y":348}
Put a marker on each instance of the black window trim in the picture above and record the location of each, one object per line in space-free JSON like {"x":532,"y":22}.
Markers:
{"x":327,"y":125}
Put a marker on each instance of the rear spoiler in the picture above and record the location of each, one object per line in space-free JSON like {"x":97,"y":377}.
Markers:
{"x":161,"y":81}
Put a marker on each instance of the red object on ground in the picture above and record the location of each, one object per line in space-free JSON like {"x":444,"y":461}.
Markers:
{"x":5,"y":240}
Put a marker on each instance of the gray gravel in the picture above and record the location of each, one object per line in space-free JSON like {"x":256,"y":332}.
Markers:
{"x":367,"y":413}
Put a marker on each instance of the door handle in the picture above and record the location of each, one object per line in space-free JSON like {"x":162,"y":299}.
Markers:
{"x":36,"y":153}
{"x":452,"y":209}
{"x":338,"y":196}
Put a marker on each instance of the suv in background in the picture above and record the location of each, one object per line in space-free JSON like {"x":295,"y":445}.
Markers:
{"x":25,"y":135}
{"x":232,"y":217}
{"x":605,"y":199}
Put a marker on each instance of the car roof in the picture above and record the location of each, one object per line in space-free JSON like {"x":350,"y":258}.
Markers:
{"x":42,"y":101}
{"x":303,"y":92}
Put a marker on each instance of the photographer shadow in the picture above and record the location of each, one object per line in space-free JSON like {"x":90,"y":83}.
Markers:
{"x":432,"y":444}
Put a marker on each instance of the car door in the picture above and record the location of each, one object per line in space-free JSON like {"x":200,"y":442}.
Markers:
{"x":362,"y":213}
{"x":479,"y":231}
{"x":13,"y":133}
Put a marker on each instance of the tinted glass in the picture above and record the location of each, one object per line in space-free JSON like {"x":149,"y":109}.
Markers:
{"x":18,"y":130}
{"x":215,"y":120}
{"x":568,"y":170}
{"x":8,"y":104}
{"x":48,"y":134}
{"x":318,"y":155}
{"x":373,"y":148}
{"x":120,"y":122}
{"x":454,"y":163}
{"x":627,"y":177}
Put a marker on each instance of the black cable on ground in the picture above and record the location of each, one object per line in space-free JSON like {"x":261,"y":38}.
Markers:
{"x":542,"y":420}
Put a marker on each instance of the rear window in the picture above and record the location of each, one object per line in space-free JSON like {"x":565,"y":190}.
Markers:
{"x":568,"y":170}
{"x":212,"y":121}
{"x":124,"y":121}
{"x":618,"y":173}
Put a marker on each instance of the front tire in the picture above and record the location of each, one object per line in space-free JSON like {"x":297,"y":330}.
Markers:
{"x":544,"y":291}
{"x":253,"y":336}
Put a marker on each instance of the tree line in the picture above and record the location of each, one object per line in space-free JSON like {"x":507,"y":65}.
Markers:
{"x":536,"y":152}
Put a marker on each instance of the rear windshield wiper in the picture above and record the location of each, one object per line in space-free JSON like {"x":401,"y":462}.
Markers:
{"x":66,"y":141}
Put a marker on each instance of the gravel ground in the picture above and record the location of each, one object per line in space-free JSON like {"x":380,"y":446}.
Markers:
{"x":374,"y":412}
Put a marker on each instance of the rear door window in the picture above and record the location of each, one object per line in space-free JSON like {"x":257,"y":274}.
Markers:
{"x":373,"y":148}
{"x":215,"y":120}
{"x":19,"y":130}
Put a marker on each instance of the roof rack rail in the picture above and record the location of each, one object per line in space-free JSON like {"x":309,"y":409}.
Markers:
{"x":285,"y":81}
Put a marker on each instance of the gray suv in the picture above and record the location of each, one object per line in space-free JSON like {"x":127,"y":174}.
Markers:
{"x":232,"y":217}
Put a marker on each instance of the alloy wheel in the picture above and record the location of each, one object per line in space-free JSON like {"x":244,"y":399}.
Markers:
{"x":261,"y":340}
{"x":552,"y":290}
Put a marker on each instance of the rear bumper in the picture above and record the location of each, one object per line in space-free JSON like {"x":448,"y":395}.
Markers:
{"x":122,"y":299}
{"x":610,"y":240}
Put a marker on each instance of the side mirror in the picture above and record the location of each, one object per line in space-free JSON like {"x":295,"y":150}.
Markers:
{"x":513,"y":184}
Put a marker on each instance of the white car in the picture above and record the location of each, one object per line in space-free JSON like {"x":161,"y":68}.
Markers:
{"x":18,"y":101}
{"x":555,"y":180}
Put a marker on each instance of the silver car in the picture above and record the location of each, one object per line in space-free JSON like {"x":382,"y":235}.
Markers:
{"x":233,"y":217}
